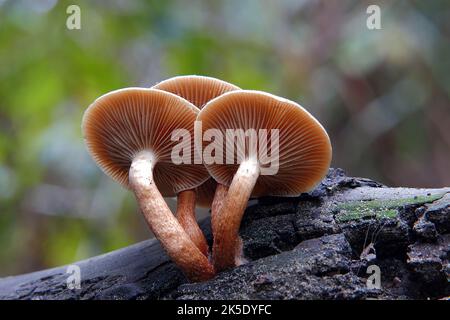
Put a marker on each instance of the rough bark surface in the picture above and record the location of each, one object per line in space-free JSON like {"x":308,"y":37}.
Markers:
{"x":315,"y":246}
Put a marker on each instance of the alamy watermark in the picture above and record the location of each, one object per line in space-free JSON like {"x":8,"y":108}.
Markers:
{"x":374,"y":280}
{"x":73,"y":281}
{"x":73,"y":21}
{"x":373,"y":21}
{"x":237,"y":144}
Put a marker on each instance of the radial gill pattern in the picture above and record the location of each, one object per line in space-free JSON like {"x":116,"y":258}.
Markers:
{"x":122,"y":123}
{"x":304,"y":146}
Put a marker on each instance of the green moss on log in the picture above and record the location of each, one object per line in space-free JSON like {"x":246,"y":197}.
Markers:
{"x":378,"y":209}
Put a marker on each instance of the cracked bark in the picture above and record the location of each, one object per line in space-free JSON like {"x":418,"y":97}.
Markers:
{"x":315,"y":246}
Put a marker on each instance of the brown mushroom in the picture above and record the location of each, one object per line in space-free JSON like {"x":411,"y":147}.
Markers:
{"x":303,"y":154}
{"x":128,"y":132}
{"x":198,"y":90}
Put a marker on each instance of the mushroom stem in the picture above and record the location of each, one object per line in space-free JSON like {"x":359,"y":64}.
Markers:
{"x":227,"y":243}
{"x":186,"y":218}
{"x":162,"y":222}
{"x":219,"y":198}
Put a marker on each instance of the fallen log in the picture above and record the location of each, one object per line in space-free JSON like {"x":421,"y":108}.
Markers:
{"x":350,"y":238}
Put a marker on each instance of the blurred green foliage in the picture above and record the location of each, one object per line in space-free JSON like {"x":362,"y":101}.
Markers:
{"x":383,"y":96}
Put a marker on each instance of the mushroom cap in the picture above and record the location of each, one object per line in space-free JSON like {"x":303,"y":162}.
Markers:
{"x":304,"y":145}
{"x":199,"y":90}
{"x":196,"y":89}
{"x":122,"y":123}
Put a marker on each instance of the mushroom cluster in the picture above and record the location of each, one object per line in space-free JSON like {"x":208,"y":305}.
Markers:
{"x":129,"y":134}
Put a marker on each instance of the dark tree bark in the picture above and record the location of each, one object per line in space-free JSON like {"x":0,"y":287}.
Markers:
{"x":315,"y":246}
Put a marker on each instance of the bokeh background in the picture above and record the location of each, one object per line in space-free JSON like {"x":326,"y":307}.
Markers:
{"x":383,"y":95}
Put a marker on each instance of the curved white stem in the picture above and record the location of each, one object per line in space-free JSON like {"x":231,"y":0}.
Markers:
{"x":162,"y":222}
{"x":227,"y":243}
